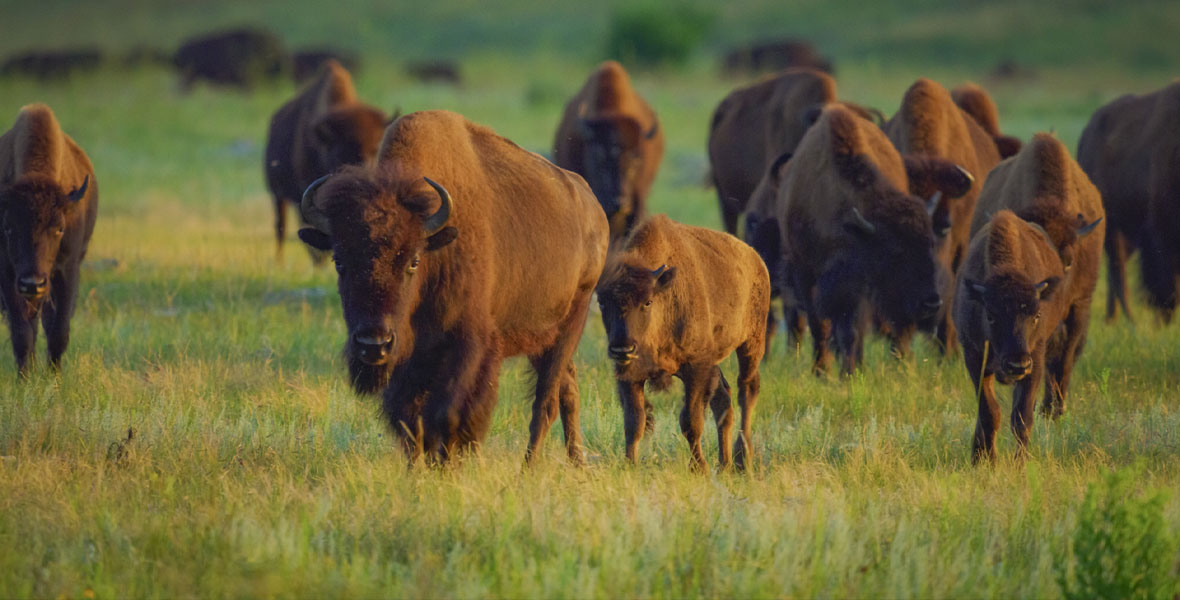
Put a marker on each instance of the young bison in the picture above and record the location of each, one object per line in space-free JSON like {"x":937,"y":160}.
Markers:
{"x":48,"y":205}
{"x":677,"y":300}
{"x":1009,"y":307}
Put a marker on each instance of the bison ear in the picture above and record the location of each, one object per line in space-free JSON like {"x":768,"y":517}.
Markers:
{"x":946,"y":176}
{"x":811,"y":114}
{"x":1046,"y":288}
{"x":975,"y":290}
{"x":315,"y":238}
{"x":1007,"y":145}
{"x":665,"y":278}
{"x":397,"y":114}
{"x":776,"y":168}
{"x":445,"y":236}
{"x":77,"y":194}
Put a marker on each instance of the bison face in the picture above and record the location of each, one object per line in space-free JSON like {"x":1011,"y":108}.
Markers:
{"x":898,"y":248}
{"x":613,"y":160}
{"x":630,"y":299}
{"x":381,"y":235}
{"x":34,"y":213}
{"x":1011,"y":320}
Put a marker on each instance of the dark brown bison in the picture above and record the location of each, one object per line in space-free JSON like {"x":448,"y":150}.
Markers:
{"x":930,"y":124}
{"x":52,"y":64}
{"x":307,"y":62}
{"x":852,"y":232}
{"x":239,"y":58}
{"x":977,"y":103}
{"x":1131,"y":151}
{"x":48,"y":205}
{"x":435,"y":71}
{"x":774,"y":55}
{"x":321,"y":129}
{"x":610,"y":136}
{"x":457,"y":249}
{"x":1009,"y":308}
{"x":676,"y":300}
{"x":756,"y":124}
{"x":762,"y":234}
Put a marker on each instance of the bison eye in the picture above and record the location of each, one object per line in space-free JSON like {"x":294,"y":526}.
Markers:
{"x":647,"y":304}
{"x":990,"y":319}
{"x":413,"y":266}
{"x":61,"y":231}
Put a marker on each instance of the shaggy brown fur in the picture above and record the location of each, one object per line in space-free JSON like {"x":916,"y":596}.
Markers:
{"x":319,"y":130}
{"x":676,"y":300}
{"x":977,"y":103}
{"x":1011,"y":304}
{"x":610,"y":136}
{"x":1131,"y":151}
{"x":1043,"y":185}
{"x":852,"y":232}
{"x":434,"y":306}
{"x":928,"y":123}
{"x":48,"y":206}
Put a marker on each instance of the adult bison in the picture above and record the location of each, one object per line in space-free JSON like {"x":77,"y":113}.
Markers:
{"x":48,"y":205}
{"x":774,"y":55}
{"x":610,"y":135}
{"x":852,"y":232}
{"x":930,"y":124}
{"x":677,"y":300}
{"x":975,"y":101}
{"x":457,"y":249}
{"x":1043,"y":185}
{"x":762,"y":234}
{"x":52,"y":64}
{"x":239,"y":58}
{"x":1009,"y":308}
{"x":321,"y":129}
{"x":1131,"y":151}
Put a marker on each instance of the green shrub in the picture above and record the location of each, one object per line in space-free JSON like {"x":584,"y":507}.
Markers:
{"x":649,"y":34}
{"x":1121,"y":546}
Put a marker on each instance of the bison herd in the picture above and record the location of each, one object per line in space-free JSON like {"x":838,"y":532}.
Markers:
{"x":456,"y":249}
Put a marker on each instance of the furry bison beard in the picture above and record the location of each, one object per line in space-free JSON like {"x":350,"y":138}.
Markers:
{"x":366,"y":379}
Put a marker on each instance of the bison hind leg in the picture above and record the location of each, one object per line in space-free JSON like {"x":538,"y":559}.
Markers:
{"x":721,"y":403}
{"x":553,"y":374}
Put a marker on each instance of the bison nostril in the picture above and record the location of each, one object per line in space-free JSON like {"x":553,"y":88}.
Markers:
{"x":373,"y":349}
{"x":32,"y":285}
{"x":933,"y":302}
{"x":622,"y":351}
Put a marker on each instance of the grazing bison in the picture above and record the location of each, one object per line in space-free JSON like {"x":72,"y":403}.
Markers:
{"x":307,"y":62}
{"x":677,"y":300}
{"x":321,"y":129}
{"x":610,"y":136}
{"x":435,"y":71}
{"x":930,"y":124}
{"x":852,"y":232}
{"x":457,"y":249}
{"x":1044,"y":186}
{"x":977,"y":103}
{"x":48,"y":205}
{"x":1131,"y":151}
{"x":774,"y":55}
{"x":52,"y":64}
{"x":237,"y":58}
{"x":1009,"y":308}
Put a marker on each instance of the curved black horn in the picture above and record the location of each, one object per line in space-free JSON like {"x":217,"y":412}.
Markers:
{"x":77,"y":194}
{"x":1085,"y":230}
{"x":434,"y":223}
{"x":863,"y":223}
{"x":311,"y":212}
{"x":932,"y":203}
{"x":966,"y":173}
{"x":655,"y":128}
{"x":660,"y":271}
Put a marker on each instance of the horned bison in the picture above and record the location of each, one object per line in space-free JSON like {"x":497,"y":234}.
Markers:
{"x":1131,"y":151}
{"x":676,"y":300}
{"x":321,"y":129}
{"x":851,"y":233}
{"x":48,"y":206}
{"x":455,"y":250}
{"x":610,"y":135}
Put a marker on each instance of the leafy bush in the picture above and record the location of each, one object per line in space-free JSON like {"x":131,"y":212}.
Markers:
{"x":649,"y":34}
{"x":1121,"y":545}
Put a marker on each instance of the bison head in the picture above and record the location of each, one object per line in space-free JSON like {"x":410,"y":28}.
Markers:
{"x":381,"y":230}
{"x":1011,"y":319}
{"x":34,"y":212}
{"x":348,"y":136}
{"x":630,"y":299}
{"x":1063,"y":233}
{"x":942,"y":182}
{"x":613,"y":159}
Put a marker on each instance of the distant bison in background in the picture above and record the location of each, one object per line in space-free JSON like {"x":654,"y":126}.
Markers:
{"x":435,"y":71}
{"x":240,"y":58}
{"x":774,"y":55}
{"x":52,"y":64}
{"x":677,"y":300}
{"x":610,"y":136}
{"x":306,"y":62}
{"x":977,"y":103}
{"x":438,"y":290}
{"x":1131,"y":151}
{"x":321,"y":129}
{"x":48,"y":206}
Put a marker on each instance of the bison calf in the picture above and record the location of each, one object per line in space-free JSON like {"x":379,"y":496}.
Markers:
{"x":48,"y":205}
{"x":676,"y":301}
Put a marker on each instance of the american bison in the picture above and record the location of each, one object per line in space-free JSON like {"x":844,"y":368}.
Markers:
{"x":1009,"y":308}
{"x":762,"y":234}
{"x":48,"y":205}
{"x":435,"y":71}
{"x":676,"y":300}
{"x":609,"y":135}
{"x":307,"y":62}
{"x":1043,"y":185}
{"x":851,"y":232}
{"x":930,"y":124}
{"x":774,"y":55}
{"x":52,"y":64}
{"x":977,"y":103}
{"x":1131,"y":151}
{"x":321,"y":129}
{"x":455,"y":250}
{"x":239,"y":58}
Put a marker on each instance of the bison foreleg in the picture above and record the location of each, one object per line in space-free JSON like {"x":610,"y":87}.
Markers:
{"x":22,"y":326}
{"x":983,"y":447}
{"x":571,"y":427}
{"x":634,"y":417}
{"x":460,"y":409}
{"x":56,"y":314}
{"x":1023,"y":404}
{"x":699,"y":383}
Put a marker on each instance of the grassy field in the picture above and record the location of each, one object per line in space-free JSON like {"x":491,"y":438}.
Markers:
{"x":254,"y":471}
